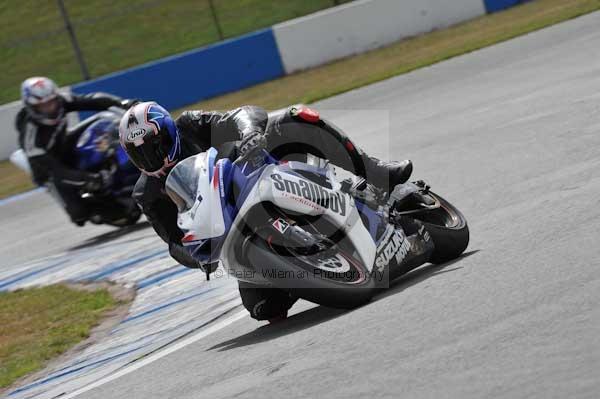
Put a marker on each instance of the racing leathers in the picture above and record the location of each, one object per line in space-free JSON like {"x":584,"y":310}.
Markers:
{"x":289,"y":134}
{"x":48,"y":149}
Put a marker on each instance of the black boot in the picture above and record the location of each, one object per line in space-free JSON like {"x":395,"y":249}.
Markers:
{"x":387,"y":175}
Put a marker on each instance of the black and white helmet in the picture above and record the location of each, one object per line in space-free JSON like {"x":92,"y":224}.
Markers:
{"x":41,"y":99}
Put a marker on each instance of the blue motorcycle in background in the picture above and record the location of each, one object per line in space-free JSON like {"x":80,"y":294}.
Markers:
{"x":98,"y":150}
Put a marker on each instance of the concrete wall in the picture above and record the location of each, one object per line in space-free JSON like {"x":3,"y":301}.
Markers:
{"x":8,"y":133}
{"x":364,"y":25}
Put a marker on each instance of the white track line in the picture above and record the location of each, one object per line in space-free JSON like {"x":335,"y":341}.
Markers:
{"x":17,"y":197}
{"x":158,"y":355}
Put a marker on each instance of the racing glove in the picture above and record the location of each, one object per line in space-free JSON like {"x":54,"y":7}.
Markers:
{"x":252,"y":142}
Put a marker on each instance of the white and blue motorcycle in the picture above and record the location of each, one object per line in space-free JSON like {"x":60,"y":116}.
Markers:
{"x":294,"y":226}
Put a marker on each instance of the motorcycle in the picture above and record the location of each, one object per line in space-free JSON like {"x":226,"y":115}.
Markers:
{"x":96,"y":149}
{"x":294,"y":226}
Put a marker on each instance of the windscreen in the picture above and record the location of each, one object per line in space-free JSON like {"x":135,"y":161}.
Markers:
{"x":182,"y":184}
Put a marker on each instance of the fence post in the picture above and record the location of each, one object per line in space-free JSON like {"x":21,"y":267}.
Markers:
{"x":216,"y":19}
{"x":76,"y":48}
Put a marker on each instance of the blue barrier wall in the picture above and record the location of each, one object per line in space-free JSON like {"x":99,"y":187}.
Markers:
{"x":498,"y":5}
{"x":196,"y":75}
{"x":221,"y":68}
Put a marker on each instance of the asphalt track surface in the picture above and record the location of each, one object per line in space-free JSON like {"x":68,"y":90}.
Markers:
{"x":511,"y":135}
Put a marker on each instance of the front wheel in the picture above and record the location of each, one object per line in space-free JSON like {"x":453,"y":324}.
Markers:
{"x":331,"y":278}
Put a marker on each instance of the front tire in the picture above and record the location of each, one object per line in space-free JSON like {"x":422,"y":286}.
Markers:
{"x":303,"y":279}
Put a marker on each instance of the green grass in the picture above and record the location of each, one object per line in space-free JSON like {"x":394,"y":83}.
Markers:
{"x":398,"y":58}
{"x":13,"y":180}
{"x":38,"y":324}
{"x":114,"y":35}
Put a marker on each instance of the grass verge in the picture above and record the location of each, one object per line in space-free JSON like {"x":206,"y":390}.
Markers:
{"x":38,"y":324}
{"x":398,"y":58}
{"x":404,"y":56}
{"x":13,"y":180}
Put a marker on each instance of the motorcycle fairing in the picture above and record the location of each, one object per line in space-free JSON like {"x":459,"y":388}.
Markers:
{"x":92,"y":146}
{"x":201,"y":206}
{"x":262,"y":187}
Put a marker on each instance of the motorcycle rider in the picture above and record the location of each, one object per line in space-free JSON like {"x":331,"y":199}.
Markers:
{"x":42,"y":127}
{"x":155,"y":143}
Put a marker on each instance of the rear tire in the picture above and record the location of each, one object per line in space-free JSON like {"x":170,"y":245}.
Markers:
{"x":124,"y":220}
{"x":128,"y":221}
{"x":448,"y":229}
{"x":120,"y":212}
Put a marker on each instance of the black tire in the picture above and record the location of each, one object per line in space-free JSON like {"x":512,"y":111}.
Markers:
{"x":312,"y":286}
{"x":126,"y":220}
{"x":118,"y":212}
{"x":448,"y":229}
{"x":129,"y":221}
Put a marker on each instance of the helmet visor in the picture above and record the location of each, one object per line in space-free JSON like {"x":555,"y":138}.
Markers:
{"x":182,"y":185}
{"x":151,"y":155}
{"x":49,"y":108}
